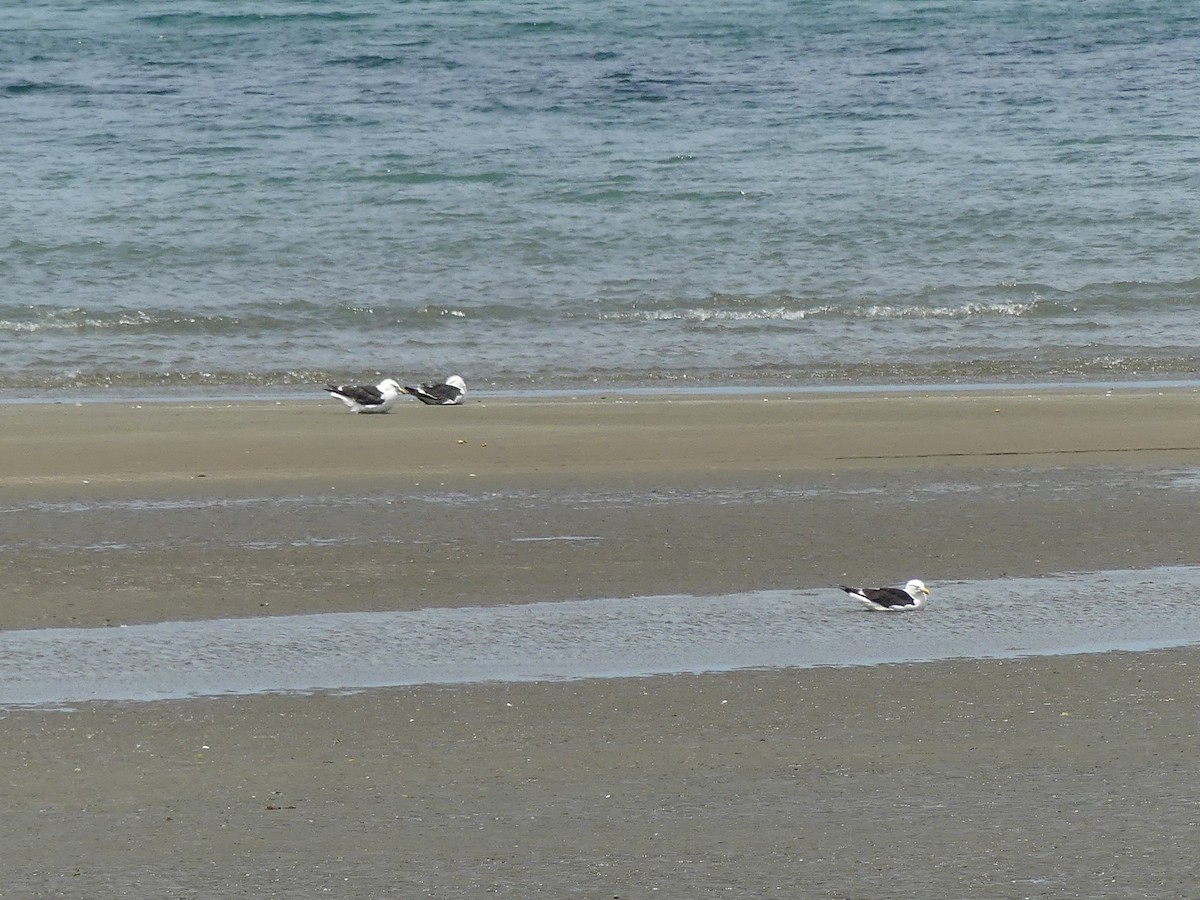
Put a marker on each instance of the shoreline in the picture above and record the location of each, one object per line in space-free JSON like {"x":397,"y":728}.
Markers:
{"x":674,"y":388}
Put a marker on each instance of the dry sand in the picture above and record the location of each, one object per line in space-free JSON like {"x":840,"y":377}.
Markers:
{"x":1071,"y":776}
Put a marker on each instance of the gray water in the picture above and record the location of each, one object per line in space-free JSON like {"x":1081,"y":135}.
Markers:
{"x":608,"y":638}
{"x":209,"y":196}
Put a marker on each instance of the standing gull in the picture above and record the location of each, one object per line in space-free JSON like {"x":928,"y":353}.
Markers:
{"x":448,"y":393}
{"x":366,"y":398}
{"x":890,"y":599}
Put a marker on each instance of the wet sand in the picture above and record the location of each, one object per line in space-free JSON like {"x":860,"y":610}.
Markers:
{"x":301,"y":507}
{"x":1059,"y":777}
{"x":1070,"y":776}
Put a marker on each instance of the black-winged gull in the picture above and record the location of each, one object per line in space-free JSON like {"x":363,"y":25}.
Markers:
{"x":367,"y":398}
{"x":891,"y":599}
{"x":447,"y":393}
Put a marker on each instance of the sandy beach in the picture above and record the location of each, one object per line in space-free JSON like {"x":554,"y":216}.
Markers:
{"x":1051,"y":777}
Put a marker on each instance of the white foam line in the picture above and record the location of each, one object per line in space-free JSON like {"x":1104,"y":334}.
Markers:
{"x":562,"y":537}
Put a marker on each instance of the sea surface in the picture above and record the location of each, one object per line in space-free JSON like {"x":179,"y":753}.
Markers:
{"x":230,"y":196}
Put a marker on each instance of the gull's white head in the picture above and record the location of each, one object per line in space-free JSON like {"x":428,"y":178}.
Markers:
{"x":915,"y":587}
{"x":389,"y":387}
{"x":456,"y":381}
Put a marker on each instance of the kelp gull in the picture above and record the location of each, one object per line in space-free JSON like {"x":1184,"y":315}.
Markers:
{"x":890,"y":599}
{"x":448,"y":393}
{"x":366,"y":398}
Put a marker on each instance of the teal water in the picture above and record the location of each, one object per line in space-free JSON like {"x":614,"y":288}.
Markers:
{"x":560,"y":194}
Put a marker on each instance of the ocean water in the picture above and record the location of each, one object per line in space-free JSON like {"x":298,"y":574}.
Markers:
{"x":251,"y":195}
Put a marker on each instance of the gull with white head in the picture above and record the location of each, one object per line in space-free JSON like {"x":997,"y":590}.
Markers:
{"x":891,"y":599}
{"x":446,"y":393}
{"x":367,"y":398}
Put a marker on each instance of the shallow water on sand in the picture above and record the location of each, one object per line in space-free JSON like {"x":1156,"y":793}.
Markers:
{"x":606,"y":638}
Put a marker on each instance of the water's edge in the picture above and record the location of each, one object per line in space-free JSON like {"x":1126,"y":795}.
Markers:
{"x":635,"y":391}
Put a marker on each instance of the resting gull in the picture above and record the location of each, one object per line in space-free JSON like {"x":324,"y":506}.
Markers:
{"x":448,"y":393}
{"x":890,"y":599}
{"x":367,"y":398}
